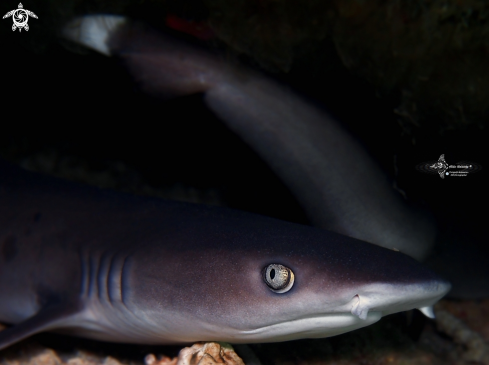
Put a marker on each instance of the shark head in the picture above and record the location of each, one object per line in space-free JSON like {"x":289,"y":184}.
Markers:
{"x":243,"y":278}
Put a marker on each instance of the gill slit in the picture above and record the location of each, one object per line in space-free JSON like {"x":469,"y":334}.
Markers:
{"x":102,"y":276}
{"x":122,"y":281}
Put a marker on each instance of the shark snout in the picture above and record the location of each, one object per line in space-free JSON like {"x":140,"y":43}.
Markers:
{"x":392,"y":298}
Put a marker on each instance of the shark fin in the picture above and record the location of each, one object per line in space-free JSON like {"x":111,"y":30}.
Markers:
{"x":93,"y":31}
{"x":46,"y":319}
{"x":428,"y":312}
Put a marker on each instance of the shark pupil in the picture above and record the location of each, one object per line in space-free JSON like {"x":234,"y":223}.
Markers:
{"x":272,"y":274}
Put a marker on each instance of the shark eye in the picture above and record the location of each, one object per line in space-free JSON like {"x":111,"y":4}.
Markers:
{"x":279,"y":278}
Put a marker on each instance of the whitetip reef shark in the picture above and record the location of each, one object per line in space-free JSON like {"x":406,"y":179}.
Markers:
{"x":122,"y":268}
{"x":116,"y":267}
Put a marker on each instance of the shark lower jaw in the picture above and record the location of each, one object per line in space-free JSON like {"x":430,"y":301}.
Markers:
{"x":362,"y":310}
{"x":326,"y":325}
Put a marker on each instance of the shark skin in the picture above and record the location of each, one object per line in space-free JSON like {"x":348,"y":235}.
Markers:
{"x":112,"y":266}
{"x":341,"y":188}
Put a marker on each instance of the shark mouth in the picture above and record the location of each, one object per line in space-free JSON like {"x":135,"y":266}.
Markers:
{"x":318,"y":326}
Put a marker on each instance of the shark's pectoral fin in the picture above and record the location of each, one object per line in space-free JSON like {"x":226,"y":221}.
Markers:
{"x":46,"y":319}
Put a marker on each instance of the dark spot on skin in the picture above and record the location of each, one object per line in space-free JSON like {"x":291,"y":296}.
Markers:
{"x":9,"y":248}
{"x":37,"y":217}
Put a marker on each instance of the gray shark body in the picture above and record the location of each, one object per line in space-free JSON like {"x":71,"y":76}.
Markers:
{"x":338,"y":184}
{"x":117,"y":267}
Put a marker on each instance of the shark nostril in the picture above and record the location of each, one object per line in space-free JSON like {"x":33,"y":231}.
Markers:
{"x":359,"y":309}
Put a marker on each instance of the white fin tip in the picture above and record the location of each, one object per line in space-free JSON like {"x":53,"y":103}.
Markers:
{"x":93,"y":31}
{"x":428,"y":312}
